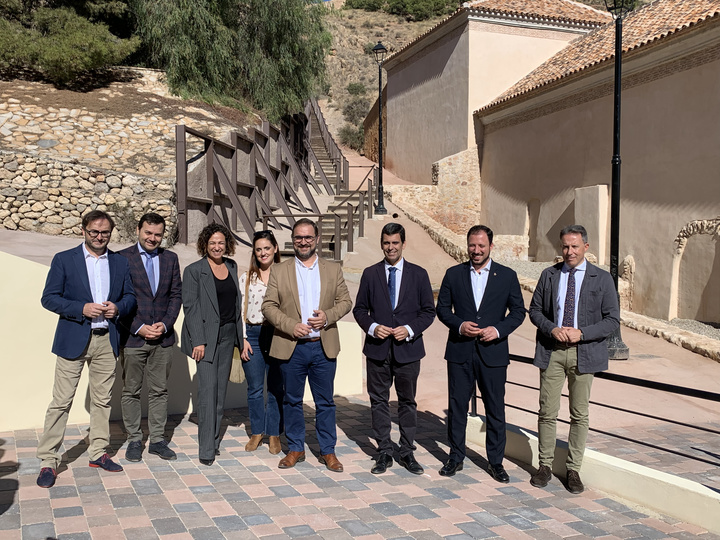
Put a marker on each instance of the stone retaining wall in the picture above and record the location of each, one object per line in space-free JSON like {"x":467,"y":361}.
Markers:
{"x":51,"y":196}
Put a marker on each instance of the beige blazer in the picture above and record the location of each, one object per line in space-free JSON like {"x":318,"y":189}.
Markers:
{"x":281,"y":306}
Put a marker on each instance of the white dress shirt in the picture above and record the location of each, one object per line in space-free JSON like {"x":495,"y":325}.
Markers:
{"x":308,"y":282}
{"x":562,"y":291}
{"x":478,"y":280}
{"x":398,"y":280}
{"x":98,"y":272}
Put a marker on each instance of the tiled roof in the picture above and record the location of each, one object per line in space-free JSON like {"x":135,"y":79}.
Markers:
{"x":650,"y":23}
{"x":550,"y":11}
{"x":559,"y":10}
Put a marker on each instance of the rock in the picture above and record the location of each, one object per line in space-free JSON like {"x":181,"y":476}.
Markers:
{"x":70,"y":222}
{"x":12,"y":166}
{"x":8,"y":223}
{"x":9,"y":192}
{"x":42,"y":170}
{"x":113,"y":181}
{"x":39,"y":195}
{"x":51,"y":228}
{"x":38,"y":207}
{"x":27,"y":225}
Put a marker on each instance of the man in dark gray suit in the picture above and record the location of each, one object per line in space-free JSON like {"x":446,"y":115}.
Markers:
{"x":575,"y":308}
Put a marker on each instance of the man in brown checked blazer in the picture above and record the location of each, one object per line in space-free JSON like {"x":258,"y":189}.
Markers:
{"x":305,"y":297}
{"x":147,"y":336}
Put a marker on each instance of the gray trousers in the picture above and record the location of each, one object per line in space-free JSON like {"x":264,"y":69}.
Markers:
{"x":212,"y":381}
{"x":155,"y":361}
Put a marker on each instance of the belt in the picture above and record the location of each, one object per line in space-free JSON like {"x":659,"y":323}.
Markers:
{"x":310,"y":340}
{"x":564,"y":346}
{"x":257,"y":324}
{"x":99,"y":331}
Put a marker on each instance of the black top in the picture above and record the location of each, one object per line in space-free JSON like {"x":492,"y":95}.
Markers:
{"x":226,"y":293}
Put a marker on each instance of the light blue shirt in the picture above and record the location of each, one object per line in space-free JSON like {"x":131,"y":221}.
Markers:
{"x":98,"y":272}
{"x":156,"y":264}
{"x":398,"y":280}
{"x":562,"y":291}
{"x":308,"y":282}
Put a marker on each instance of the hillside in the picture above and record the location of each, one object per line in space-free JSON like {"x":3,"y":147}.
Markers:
{"x":354,"y":33}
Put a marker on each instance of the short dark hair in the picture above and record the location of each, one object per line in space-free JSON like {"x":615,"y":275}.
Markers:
{"x":575,"y":229}
{"x":211,"y":229}
{"x":475,"y":229}
{"x":95,"y":215}
{"x":151,"y":218}
{"x":305,"y":221}
{"x":393,"y":228}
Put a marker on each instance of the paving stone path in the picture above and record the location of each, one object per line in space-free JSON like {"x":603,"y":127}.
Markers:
{"x":246,"y":496}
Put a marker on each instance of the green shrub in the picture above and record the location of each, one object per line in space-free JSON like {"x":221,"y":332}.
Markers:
{"x":60,"y":45}
{"x":356,"y":110}
{"x":356,"y":89}
{"x":353,"y":137}
{"x":367,"y":5}
{"x":368,"y":48}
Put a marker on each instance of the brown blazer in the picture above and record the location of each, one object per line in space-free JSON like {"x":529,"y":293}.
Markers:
{"x":281,"y":306}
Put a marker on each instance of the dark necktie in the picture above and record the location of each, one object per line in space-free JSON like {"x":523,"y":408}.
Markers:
{"x":391,"y":285}
{"x":569,"y":311}
{"x":150,"y":269}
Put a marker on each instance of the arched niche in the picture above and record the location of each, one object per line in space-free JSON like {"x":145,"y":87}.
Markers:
{"x":695,"y":282}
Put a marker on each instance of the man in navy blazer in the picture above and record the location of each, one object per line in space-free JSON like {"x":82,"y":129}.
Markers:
{"x":575,"y":309}
{"x":481,"y":304}
{"x":89,"y":287}
{"x":394,"y":306}
{"x":147,"y":336}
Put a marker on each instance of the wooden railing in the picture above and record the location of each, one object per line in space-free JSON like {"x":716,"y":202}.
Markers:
{"x":252,"y":176}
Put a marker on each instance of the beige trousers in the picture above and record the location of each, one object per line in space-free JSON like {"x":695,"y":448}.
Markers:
{"x":101,"y":362}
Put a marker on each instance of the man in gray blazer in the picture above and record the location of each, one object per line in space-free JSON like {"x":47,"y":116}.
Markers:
{"x":575,"y":308}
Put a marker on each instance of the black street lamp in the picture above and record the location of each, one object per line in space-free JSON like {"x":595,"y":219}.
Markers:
{"x":619,"y":8}
{"x":380,"y":52}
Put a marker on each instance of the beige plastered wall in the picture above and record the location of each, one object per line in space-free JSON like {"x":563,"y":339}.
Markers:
{"x":501,"y":55}
{"x":427,"y":107}
{"x":27,"y":331}
{"x":670,"y":137}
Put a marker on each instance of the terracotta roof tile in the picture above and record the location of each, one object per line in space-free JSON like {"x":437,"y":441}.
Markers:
{"x":560,"y":10}
{"x":648,"y":24}
{"x":564,"y":11}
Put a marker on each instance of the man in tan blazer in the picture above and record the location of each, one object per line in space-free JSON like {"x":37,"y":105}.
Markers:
{"x":305,"y":298}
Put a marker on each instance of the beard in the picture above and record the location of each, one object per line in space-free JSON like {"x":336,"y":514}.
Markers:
{"x":305,"y":256}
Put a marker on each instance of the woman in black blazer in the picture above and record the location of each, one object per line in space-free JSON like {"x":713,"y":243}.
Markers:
{"x":212,"y":329}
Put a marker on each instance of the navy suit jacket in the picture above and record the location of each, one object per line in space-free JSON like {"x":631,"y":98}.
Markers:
{"x":67,"y":290}
{"x":163,"y":307}
{"x":415,"y":308}
{"x":598,"y":315}
{"x":502,"y":307}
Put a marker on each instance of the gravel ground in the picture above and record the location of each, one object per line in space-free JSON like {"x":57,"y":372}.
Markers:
{"x":533,"y":270}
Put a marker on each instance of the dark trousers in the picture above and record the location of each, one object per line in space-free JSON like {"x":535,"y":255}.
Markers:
{"x":381,"y":374}
{"x":461,"y":383}
{"x":212,"y":380}
{"x":154,"y":361}
{"x":308,"y":362}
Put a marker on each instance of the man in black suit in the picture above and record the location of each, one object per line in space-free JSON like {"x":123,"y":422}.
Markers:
{"x":148,"y":335}
{"x":481,"y":304}
{"x":394,"y":306}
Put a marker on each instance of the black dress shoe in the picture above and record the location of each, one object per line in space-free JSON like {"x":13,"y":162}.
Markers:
{"x":207,"y":462}
{"x":382,"y":463}
{"x":498,"y":473}
{"x":217,"y":451}
{"x":411,"y":464}
{"x":451,"y":467}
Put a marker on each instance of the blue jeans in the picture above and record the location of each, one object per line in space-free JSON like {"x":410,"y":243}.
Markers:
{"x":264,"y":418}
{"x":308,"y":361}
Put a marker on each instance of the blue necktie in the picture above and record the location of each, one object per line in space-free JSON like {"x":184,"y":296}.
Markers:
{"x":569,"y":310}
{"x":391,"y":286}
{"x":150,"y":269}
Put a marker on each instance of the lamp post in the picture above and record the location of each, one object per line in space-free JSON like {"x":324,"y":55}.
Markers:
{"x":380,"y":52}
{"x":619,"y":8}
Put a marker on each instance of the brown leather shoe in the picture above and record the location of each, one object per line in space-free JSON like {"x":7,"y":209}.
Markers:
{"x":542,"y":477}
{"x":574,"y":484}
{"x":274,"y":445}
{"x":331,"y":462}
{"x":253,"y":443}
{"x":292,"y":457}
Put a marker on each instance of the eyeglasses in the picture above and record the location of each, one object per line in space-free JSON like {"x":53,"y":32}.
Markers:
{"x":299,"y":239}
{"x":94,"y":234}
